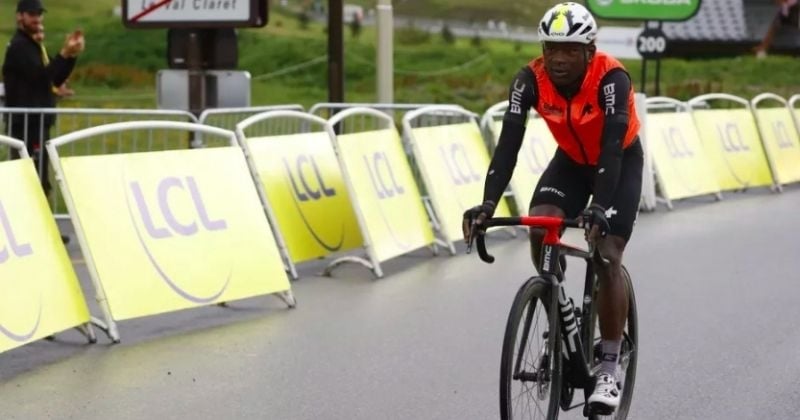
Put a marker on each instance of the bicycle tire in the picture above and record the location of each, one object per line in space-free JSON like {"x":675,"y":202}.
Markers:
{"x":533,"y":295}
{"x":628,"y":354}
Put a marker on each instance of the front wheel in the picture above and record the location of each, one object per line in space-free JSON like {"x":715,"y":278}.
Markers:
{"x":530,"y":367}
{"x":628,"y":355}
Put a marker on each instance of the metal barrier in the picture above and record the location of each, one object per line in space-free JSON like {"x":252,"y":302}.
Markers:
{"x":434,"y":116}
{"x":727,"y":122}
{"x":296,"y":124}
{"x":228,"y":118}
{"x":25,"y":123}
{"x":328,"y":109}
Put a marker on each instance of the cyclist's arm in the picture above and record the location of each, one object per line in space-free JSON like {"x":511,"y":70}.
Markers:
{"x":615,"y":90}
{"x":521,"y":97}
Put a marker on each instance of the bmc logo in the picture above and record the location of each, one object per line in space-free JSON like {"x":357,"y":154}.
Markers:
{"x":676,"y":143}
{"x":303,"y":166}
{"x":13,"y":246}
{"x":166,"y":193}
{"x":458,"y":164}
{"x":782,"y":135}
{"x":731,"y":138}
{"x":382,"y":176}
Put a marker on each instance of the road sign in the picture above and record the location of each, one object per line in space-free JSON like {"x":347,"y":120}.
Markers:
{"x":665,"y":10}
{"x":651,"y":43}
{"x":194,"y":13}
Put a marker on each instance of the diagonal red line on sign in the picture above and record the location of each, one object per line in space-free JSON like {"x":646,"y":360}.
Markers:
{"x":149,"y":10}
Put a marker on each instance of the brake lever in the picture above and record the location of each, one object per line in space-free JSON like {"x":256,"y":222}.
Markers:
{"x":473,"y":231}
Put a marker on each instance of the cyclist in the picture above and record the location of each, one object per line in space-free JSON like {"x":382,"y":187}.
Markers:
{"x":586,"y":98}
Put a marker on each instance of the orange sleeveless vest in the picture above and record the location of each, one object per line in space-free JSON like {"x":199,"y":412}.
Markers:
{"x":577,"y":125}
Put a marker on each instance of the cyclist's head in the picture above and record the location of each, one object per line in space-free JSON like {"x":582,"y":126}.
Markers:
{"x":567,"y":32}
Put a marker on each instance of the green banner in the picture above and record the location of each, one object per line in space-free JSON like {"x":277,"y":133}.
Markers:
{"x":674,"y":10}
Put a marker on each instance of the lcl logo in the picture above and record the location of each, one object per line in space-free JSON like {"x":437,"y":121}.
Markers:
{"x":458,"y":164}
{"x":675,"y":143}
{"x":782,"y":135}
{"x":308,"y":192}
{"x":13,"y":246}
{"x":307,"y":186}
{"x":168,"y":190}
{"x":535,"y":155}
{"x":15,"y":249}
{"x":386,"y":187}
{"x":382,"y":176}
{"x":731,"y":138}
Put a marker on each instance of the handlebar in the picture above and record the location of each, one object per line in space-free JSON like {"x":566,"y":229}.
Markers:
{"x":553,"y":226}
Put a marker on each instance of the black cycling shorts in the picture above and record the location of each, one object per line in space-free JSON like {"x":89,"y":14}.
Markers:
{"x":568,"y":185}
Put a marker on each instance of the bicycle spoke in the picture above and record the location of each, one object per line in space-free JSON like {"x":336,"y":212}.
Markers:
{"x":529,"y":360}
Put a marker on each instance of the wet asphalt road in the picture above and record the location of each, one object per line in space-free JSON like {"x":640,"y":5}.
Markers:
{"x":717,"y":285}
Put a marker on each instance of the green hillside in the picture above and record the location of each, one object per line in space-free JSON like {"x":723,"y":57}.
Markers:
{"x":287,"y":61}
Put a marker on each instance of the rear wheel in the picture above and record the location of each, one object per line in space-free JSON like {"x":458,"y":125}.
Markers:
{"x":530,"y":367}
{"x":628,"y":355}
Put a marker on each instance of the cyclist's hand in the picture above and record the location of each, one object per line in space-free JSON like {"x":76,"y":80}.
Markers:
{"x":475,"y":217}
{"x":594,"y":219}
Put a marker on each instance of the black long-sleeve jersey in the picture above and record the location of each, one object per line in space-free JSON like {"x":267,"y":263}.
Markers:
{"x":523,"y":92}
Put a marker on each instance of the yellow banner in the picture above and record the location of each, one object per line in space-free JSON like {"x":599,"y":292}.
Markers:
{"x":538,"y":148}
{"x":175,"y":229}
{"x":781,"y":141}
{"x":304,"y":186}
{"x":39,"y":292}
{"x":733,"y":147}
{"x":385,"y":192}
{"x":454,"y":161}
{"x":681,"y":163}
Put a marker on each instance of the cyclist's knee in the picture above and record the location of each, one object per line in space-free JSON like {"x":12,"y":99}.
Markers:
{"x":611,"y":249}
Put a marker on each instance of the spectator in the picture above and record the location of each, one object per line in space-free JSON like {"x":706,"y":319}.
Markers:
{"x":30,"y":74}
{"x":63,"y":90}
{"x":787,"y":16}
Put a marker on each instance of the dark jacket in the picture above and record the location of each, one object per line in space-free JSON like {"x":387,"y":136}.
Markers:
{"x":29,"y":83}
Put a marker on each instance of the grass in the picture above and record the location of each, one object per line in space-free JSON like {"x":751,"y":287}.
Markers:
{"x":119,"y":66}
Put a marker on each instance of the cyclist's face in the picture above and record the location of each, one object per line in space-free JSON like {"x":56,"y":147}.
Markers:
{"x":566,"y":62}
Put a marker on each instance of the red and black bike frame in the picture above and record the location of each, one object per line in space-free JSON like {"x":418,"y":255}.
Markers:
{"x":575,"y":335}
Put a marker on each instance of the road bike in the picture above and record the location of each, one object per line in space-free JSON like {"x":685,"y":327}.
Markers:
{"x":551,"y":346}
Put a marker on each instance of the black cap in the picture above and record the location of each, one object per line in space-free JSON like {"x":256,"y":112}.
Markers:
{"x":30,"y":6}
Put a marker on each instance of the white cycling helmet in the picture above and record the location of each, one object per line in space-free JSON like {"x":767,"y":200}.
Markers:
{"x":568,"y":22}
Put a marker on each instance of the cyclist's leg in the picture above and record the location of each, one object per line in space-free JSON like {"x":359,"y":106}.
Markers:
{"x":562,"y":191}
{"x":612,"y":299}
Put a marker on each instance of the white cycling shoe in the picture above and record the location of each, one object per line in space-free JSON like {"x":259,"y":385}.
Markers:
{"x":607,"y":392}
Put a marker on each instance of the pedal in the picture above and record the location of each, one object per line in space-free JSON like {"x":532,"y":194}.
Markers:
{"x":598,"y":409}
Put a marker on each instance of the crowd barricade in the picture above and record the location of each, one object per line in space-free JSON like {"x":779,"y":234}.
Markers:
{"x":68,"y":120}
{"x":167,"y":230}
{"x":227,"y":118}
{"x":681,"y":166}
{"x":381,"y":185}
{"x":648,"y":200}
{"x":301,"y":188}
{"x":452,"y":158}
{"x":329,"y":109}
{"x":39,"y":290}
{"x":794,"y":102}
{"x":537,"y":150}
{"x":779,"y":137}
{"x":732,"y":142}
